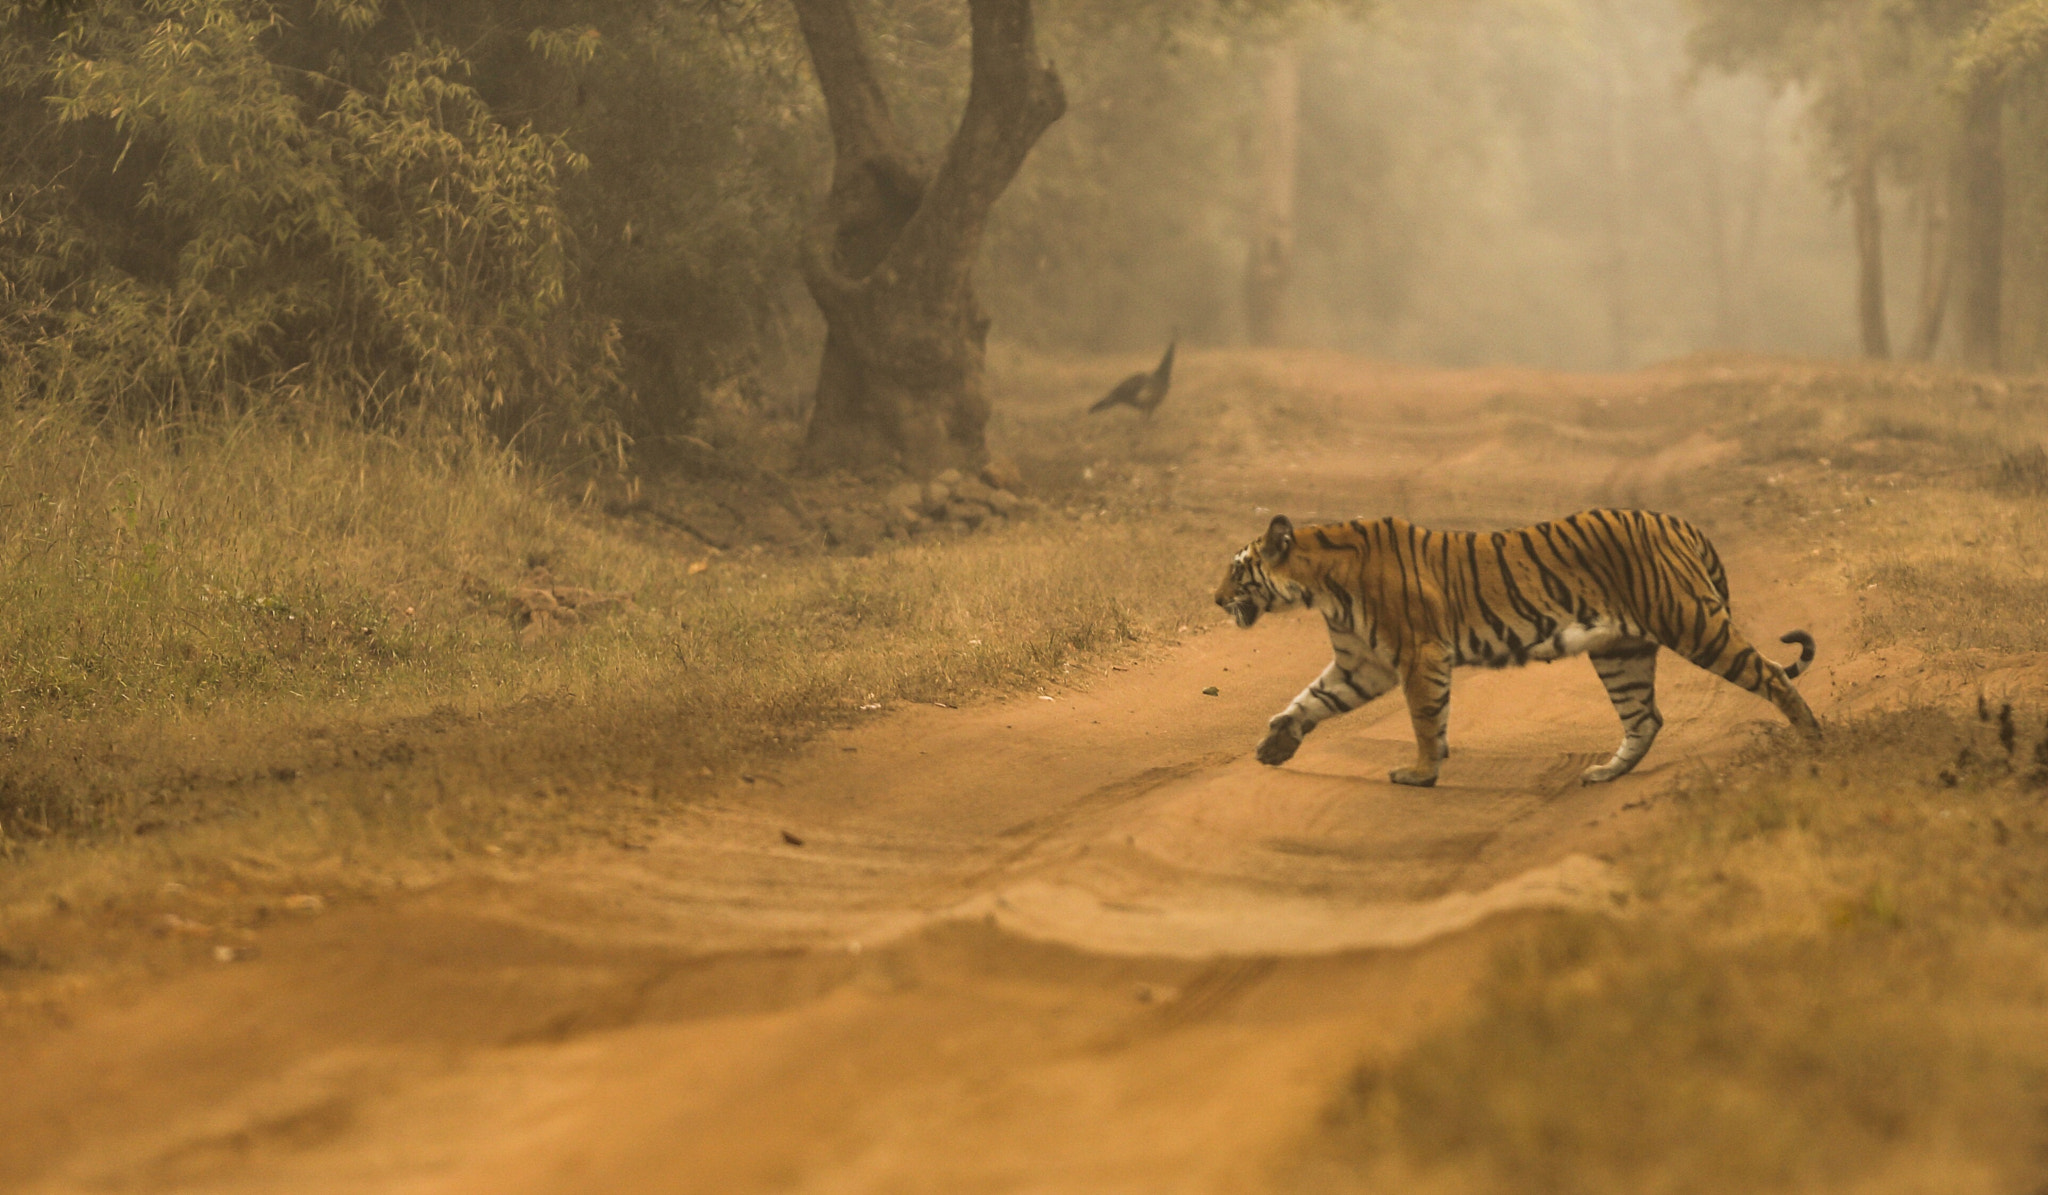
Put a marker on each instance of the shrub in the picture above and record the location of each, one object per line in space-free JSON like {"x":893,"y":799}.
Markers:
{"x":194,"y":225}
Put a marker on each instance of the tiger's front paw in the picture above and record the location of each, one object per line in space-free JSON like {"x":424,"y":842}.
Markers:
{"x":1414,"y":776}
{"x":1280,"y":743}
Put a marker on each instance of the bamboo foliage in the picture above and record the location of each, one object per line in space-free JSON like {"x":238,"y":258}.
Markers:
{"x":193,"y":224}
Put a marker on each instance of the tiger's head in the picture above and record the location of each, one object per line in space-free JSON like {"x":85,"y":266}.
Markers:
{"x":1255,"y":585}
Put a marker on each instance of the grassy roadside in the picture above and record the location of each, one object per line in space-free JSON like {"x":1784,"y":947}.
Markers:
{"x":1833,"y":972}
{"x":252,"y":603}
{"x":245,"y":653}
{"x":1835,"y":978}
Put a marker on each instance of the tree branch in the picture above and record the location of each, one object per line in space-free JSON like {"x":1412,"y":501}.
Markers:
{"x":890,"y":261}
{"x":861,"y":125}
{"x":877,"y":182}
{"x":831,"y":288}
{"x":1013,"y":99}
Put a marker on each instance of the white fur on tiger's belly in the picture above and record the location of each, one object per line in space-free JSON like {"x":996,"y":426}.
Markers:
{"x":1574,"y":639}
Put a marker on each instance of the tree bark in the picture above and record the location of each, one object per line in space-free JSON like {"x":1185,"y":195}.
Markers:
{"x":890,"y":259}
{"x":1270,"y":264}
{"x":1755,"y":191}
{"x":1713,"y":194}
{"x":1937,"y":261}
{"x":1983,"y":223}
{"x":1869,"y":249}
{"x":1623,"y":80}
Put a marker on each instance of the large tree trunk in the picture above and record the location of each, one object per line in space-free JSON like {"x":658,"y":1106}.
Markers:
{"x":1271,"y":261}
{"x":1868,"y":216}
{"x":1982,"y":255}
{"x":1625,"y":84}
{"x":1714,"y":198}
{"x":1937,"y":261}
{"x":1617,"y":228}
{"x":1755,"y":191}
{"x":890,"y":260}
{"x":1877,"y":341}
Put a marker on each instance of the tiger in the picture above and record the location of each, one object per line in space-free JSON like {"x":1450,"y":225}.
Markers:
{"x":1404,"y":606}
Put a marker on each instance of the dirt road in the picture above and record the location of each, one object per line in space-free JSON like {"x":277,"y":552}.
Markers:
{"x":1070,"y":941}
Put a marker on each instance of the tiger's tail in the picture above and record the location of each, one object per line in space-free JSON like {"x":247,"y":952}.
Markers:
{"x":1805,"y":642}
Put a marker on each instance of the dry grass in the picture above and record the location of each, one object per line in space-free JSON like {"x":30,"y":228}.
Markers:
{"x":1916,"y":483}
{"x":1840,"y":982}
{"x":253,"y":633}
{"x":1833,"y":973}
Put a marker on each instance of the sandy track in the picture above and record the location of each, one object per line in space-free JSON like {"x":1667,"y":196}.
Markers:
{"x":1083,"y":944}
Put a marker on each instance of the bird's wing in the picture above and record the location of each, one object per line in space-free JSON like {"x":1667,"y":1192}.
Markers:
{"x":1125,"y":394}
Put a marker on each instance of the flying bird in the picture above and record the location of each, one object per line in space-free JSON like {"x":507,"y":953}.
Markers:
{"x":1144,"y":391}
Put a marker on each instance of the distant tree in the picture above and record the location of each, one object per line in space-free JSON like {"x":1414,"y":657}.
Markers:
{"x":1856,"y":59}
{"x":1270,"y":263}
{"x":1935,"y":204}
{"x":1981,"y":190}
{"x":2010,"y":39}
{"x":890,"y":259}
{"x":1924,"y":88}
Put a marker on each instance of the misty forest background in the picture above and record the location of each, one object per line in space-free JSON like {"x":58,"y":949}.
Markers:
{"x":575,"y":227}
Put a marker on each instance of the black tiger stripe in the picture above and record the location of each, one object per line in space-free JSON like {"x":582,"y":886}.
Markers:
{"x":1619,"y":584}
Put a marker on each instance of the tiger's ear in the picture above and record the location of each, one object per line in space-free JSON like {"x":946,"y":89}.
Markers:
{"x":1279,"y":540}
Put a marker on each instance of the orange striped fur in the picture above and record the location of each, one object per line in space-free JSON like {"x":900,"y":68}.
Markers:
{"x":1404,"y":606}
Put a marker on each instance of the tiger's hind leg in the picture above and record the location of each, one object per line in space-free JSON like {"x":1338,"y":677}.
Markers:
{"x":1726,"y":654}
{"x":1629,"y":670}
